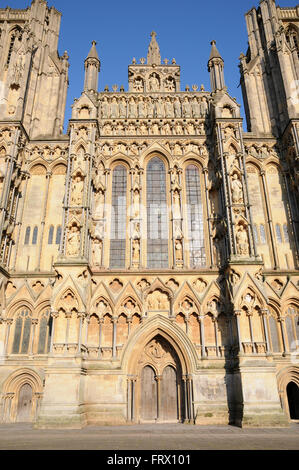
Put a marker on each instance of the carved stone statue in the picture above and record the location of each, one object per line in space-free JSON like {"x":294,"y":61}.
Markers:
{"x":138,"y":85}
{"x":73,"y":241}
{"x":77,"y":191}
{"x":169,"y":111}
{"x":177,"y":108}
{"x":132,"y":109}
{"x":136,"y":202}
{"x":169,"y":84}
{"x":123,"y":108}
{"x":99,"y":204}
{"x":176,"y":205}
{"x":136,"y":251}
{"x":114,"y":108}
{"x":105,"y":108}
{"x":187,"y":113}
{"x":195,"y":108}
{"x":242,"y":241}
{"x":97,"y":247}
{"x":154,"y":83}
{"x":237,"y":189}
{"x":178,"y":250}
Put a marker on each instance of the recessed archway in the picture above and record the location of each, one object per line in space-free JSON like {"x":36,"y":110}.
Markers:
{"x":293,"y":400}
{"x":160,"y":391}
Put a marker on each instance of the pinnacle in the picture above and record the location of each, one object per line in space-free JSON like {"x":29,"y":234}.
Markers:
{"x":214,"y":52}
{"x":93,"y":54}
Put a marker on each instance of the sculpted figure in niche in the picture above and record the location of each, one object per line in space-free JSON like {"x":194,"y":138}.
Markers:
{"x":178,"y":129}
{"x":187,"y":113}
{"x":176,"y":205}
{"x":141,"y":108}
{"x":237,"y":189}
{"x":177,"y":108}
{"x":178,"y":250}
{"x":150,"y":108}
{"x":136,"y":201}
{"x":77,"y":191}
{"x":169,"y":111}
{"x":138,"y":85}
{"x":143,"y":129}
{"x":195,"y":108}
{"x":159,"y":108}
{"x":132,"y":109}
{"x":242,"y":241}
{"x":73,"y":241}
{"x":105,"y":108}
{"x":123,"y":108}
{"x":114,"y":108}
{"x":203,"y":107}
{"x":154,"y":83}
{"x":99,"y":204}
{"x":136,"y":251}
{"x":169,"y":84}
{"x":97,"y":246}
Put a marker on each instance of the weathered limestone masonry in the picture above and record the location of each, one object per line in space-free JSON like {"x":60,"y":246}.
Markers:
{"x":149,"y":258}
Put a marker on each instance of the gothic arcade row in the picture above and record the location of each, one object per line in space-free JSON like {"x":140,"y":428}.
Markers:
{"x":149,"y":257}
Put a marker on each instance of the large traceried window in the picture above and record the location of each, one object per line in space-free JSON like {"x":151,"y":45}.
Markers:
{"x":195,"y":218}
{"x":157,"y":215}
{"x":45,"y":332}
{"x":118,"y":218}
{"x":22,"y":332}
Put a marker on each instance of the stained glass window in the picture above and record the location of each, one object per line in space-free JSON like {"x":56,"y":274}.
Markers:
{"x":118,"y":218}
{"x":22,"y":333}
{"x":195,"y":218}
{"x":157,"y":215}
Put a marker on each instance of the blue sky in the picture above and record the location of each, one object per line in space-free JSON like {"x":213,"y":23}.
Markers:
{"x":122,"y":31}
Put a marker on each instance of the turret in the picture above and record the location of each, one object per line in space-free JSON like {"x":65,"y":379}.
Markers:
{"x":216,"y":69}
{"x":92,"y":69}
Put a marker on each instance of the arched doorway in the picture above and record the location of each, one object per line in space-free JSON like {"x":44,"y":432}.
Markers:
{"x":24,"y":411}
{"x":160,"y":386}
{"x":293,"y":400}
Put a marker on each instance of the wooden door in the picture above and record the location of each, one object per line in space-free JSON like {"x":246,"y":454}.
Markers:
{"x":25,"y":404}
{"x":148,"y":395}
{"x":169,"y":395}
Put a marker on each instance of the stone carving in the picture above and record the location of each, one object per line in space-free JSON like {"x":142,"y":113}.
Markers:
{"x":77,"y":190}
{"x":105,"y":108}
{"x":99,"y":204}
{"x":158,"y":300}
{"x":132,"y":112}
{"x":73,"y":241}
{"x":176,"y":205}
{"x":154,"y":82}
{"x":199,"y":285}
{"x":237,"y":189}
{"x":135,"y":252}
{"x":97,"y":248}
{"x":138,"y":85}
{"x":187,"y":113}
{"x":242,"y":241}
{"x":153,"y":56}
{"x":114,"y":108}
{"x":136,"y":203}
{"x":178,"y":250}
{"x":169,"y":84}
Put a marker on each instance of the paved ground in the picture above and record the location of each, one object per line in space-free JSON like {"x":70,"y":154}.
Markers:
{"x":149,"y":437}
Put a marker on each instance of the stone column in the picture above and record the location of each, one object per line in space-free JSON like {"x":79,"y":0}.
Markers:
{"x":202,"y":334}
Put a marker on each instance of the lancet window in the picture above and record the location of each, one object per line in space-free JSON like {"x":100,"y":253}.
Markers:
{"x":118,"y":218}
{"x":195,"y":217}
{"x":157,"y":215}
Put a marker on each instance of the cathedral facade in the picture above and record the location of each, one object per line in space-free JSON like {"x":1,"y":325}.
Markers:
{"x":149,"y":257}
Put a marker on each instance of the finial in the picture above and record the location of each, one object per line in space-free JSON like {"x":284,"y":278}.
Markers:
{"x":153,"y":56}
